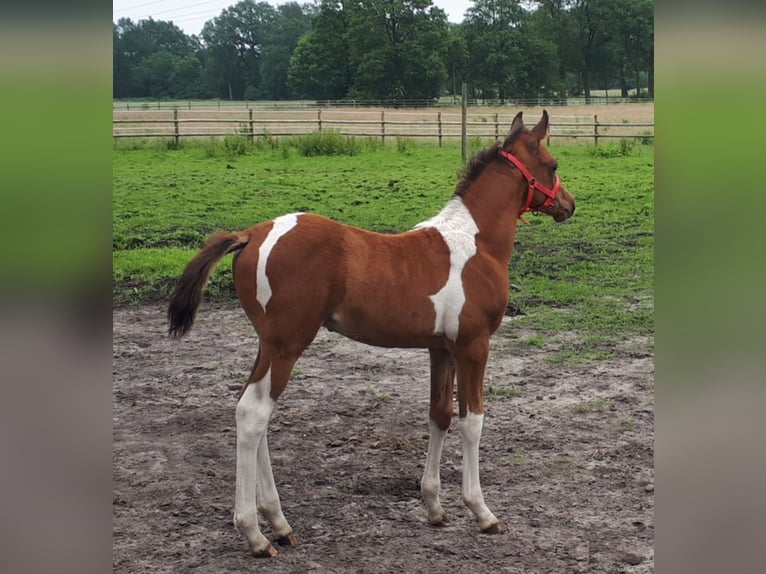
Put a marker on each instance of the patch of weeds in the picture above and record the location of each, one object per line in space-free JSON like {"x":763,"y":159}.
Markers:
{"x":623,"y":148}
{"x":475,"y":144}
{"x":579,"y":356}
{"x":326,"y":143}
{"x":383,"y":397}
{"x":211,"y":148}
{"x":628,"y":425}
{"x":235,"y":145}
{"x":404,"y":145}
{"x":535,"y":341}
{"x":266,"y":141}
{"x":518,"y":458}
{"x":646,"y":137}
{"x":500,"y":393}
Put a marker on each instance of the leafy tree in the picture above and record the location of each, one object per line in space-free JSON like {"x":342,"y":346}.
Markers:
{"x":396,"y":49}
{"x":390,"y":49}
{"x":154,"y":74}
{"x":506,"y":58}
{"x":234,"y":45}
{"x":491,"y":34}
{"x":281,"y":38}
{"x":456,"y":59}
{"x":122,"y":67}
{"x":319,"y":66}
{"x":635,"y":42}
{"x":594,"y":22}
{"x":141,"y":49}
{"x":552,"y":21}
{"x":186,"y":79}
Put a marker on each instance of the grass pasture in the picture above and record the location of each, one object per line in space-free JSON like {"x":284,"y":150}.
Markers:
{"x":591,"y":277}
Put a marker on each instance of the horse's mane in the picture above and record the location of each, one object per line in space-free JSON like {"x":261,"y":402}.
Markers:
{"x":475,"y":166}
{"x":482,"y":159}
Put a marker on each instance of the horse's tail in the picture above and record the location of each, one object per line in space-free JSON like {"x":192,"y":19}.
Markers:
{"x":188,"y":294}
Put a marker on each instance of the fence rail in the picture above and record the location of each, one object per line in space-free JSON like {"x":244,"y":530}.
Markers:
{"x":436,"y":125}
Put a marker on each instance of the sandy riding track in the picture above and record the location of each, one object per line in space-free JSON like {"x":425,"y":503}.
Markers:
{"x":566,"y":456}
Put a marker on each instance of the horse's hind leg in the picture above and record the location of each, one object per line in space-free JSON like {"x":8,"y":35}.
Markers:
{"x":267,"y":497}
{"x":439,"y":419}
{"x":255,"y":488}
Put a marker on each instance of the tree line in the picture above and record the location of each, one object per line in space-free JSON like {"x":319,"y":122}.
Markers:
{"x":391,"y":49}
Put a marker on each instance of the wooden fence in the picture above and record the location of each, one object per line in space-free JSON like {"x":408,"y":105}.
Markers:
{"x":431,"y":125}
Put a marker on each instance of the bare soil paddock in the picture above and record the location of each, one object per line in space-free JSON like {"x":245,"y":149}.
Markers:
{"x":625,"y":119}
{"x":566,"y":457}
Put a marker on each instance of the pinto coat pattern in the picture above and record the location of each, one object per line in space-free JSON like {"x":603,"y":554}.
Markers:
{"x":441,"y":286}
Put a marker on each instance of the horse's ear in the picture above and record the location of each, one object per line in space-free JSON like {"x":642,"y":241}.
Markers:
{"x":517,"y":123}
{"x":541,"y":129}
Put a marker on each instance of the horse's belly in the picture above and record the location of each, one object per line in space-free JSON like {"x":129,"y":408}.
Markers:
{"x":385,"y":329}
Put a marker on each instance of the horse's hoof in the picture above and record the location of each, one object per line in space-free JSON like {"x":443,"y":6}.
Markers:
{"x":440,"y":523}
{"x":287,"y":540}
{"x":268,"y":552}
{"x":495,"y":528}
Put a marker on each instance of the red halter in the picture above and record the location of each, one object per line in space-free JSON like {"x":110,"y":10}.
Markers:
{"x":550,"y":194}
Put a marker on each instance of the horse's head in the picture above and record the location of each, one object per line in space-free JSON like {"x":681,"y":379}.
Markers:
{"x":524,"y":148}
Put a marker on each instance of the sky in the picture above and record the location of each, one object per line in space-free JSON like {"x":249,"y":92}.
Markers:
{"x":191,"y":15}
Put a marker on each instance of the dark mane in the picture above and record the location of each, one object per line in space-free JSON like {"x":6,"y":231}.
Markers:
{"x":475,"y":166}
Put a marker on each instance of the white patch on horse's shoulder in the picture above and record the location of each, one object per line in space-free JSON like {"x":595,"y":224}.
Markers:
{"x":282,"y":225}
{"x":458,"y":229}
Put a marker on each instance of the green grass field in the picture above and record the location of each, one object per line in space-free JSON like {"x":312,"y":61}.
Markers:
{"x":592,"y":276}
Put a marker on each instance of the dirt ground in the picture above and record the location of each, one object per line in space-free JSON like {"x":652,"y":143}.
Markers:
{"x":566,"y":456}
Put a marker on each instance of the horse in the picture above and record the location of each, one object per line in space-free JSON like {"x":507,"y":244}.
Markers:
{"x":442,"y":286}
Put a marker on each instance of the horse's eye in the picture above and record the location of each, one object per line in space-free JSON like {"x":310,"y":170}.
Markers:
{"x":555,"y":167}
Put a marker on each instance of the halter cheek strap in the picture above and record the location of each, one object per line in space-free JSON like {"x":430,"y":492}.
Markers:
{"x":549,"y":194}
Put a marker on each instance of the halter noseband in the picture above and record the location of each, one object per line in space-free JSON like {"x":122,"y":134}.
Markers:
{"x":549,"y":194}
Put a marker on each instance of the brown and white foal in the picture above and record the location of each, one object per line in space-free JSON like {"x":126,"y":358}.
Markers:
{"x":442,"y":286}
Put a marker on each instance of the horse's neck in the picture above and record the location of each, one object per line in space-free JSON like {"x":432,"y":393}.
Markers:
{"x":494,"y":201}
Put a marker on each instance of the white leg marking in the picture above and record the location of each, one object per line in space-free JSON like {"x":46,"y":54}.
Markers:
{"x":458,"y":229}
{"x":282,"y":225}
{"x":252,"y":413}
{"x":266,"y":492}
{"x":470,"y":430}
{"x":430,"y":484}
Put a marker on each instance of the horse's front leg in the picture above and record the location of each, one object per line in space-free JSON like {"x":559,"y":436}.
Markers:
{"x":470,"y":363}
{"x":439,"y":419}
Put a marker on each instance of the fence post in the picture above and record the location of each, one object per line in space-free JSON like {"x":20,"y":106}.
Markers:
{"x":158,"y":104}
{"x":497,"y":127}
{"x":595,"y":129}
{"x":175,"y":125}
{"x":439,"y":121}
{"x":319,"y":120}
{"x":463,"y":122}
{"x":382,"y":127}
{"x":250,"y":124}
{"x":190,"y":104}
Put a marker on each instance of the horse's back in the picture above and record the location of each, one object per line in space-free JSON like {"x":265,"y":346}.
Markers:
{"x":308,"y":270}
